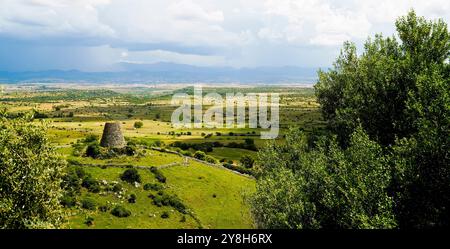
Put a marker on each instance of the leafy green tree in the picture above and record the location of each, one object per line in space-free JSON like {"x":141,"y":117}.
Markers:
{"x":422,"y":161}
{"x":398,"y":89}
{"x":327,"y":187}
{"x":374,"y":88}
{"x":30,"y":176}
{"x":138,"y":124}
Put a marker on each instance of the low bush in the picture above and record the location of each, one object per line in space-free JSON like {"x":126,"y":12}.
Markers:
{"x":132,"y":198}
{"x":138,"y":124}
{"x":131,"y":176}
{"x":88,"y":204}
{"x":104,"y":208}
{"x":117,"y":188}
{"x":210,"y":159}
{"x":239,"y":169}
{"x":165,"y":215}
{"x":153,"y":186}
{"x":120,"y":212}
{"x":158,"y":175}
{"x":200,"y":155}
{"x":93,"y":150}
{"x":91,"y":184}
{"x":89,"y":221}
{"x":68,"y":201}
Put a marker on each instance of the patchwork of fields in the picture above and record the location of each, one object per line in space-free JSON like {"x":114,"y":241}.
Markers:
{"x":192,"y":194}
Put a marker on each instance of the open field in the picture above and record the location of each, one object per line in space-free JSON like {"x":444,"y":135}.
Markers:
{"x":213,"y":196}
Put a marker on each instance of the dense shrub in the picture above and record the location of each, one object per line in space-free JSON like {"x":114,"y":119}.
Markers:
{"x":132,"y":198}
{"x":328,"y":187}
{"x":248,"y":145}
{"x":120,"y":212}
{"x":211,"y":159}
{"x":90,"y":138}
{"x":117,"y":188}
{"x":130,"y":150}
{"x":93,"y":150}
{"x":165,"y":215}
{"x":238,"y":168}
{"x":153,"y":186}
{"x":158,"y":175}
{"x":71,"y":182}
{"x":200,"y":155}
{"x":89,"y":221}
{"x":31,"y":173}
{"x":68,"y":201}
{"x":91,"y":184}
{"x":247,"y":161}
{"x":104,"y":208}
{"x":157,"y":200}
{"x":398,"y":90}
{"x":205,"y":147}
{"x":131,"y":176}
{"x":138,"y":124}
{"x":88,"y":204}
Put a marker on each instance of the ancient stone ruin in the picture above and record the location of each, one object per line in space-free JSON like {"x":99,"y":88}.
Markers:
{"x":112,"y":136}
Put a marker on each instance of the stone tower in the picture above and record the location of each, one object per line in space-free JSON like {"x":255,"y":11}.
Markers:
{"x":112,"y":136}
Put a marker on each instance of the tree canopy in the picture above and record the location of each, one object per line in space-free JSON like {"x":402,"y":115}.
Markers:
{"x":30,"y":176}
{"x":386,"y":163}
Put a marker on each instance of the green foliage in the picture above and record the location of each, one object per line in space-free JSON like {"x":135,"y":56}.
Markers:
{"x":89,"y":221}
{"x":117,"y":188}
{"x":422,"y":162}
{"x":130,"y":176}
{"x":68,"y":201}
{"x":374,"y":88}
{"x":120,"y":212}
{"x":399,"y":92}
{"x":104,"y":208}
{"x":72,"y":180}
{"x":91,"y":138}
{"x":93,"y":150}
{"x":328,"y":187}
{"x":158,"y":175}
{"x":130,"y":150}
{"x":138,"y":124}
{"x":31,"y":174}
{"x":239,"y":169}
{"x":165,"y":215}
{"x":200,"y":155}
{"x":88,"y":204}
{"x":91,"y":184}
{"x":211,"y":159}
{"x":247,"y":161}
{"x":153,"y":186}
{"x":132,"y":198}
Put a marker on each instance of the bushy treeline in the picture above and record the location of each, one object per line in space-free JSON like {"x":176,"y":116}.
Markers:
{"x":386,"y":163}
{"x":248,"y":144}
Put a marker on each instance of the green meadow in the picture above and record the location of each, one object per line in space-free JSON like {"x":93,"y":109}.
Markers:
{"x":212,"y":196}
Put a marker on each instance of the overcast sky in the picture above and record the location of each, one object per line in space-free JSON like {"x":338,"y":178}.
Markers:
{"x":95,"y":35}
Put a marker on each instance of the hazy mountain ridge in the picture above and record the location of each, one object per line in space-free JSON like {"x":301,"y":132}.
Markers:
{"x":169,"y":73}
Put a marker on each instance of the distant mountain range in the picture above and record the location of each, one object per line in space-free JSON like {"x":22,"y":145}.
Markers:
{"x":168,"y":73}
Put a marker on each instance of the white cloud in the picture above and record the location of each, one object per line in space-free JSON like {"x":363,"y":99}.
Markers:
{"x":232,"y":32}
{"x":51,"y":18}
{"x":316,"y":22}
